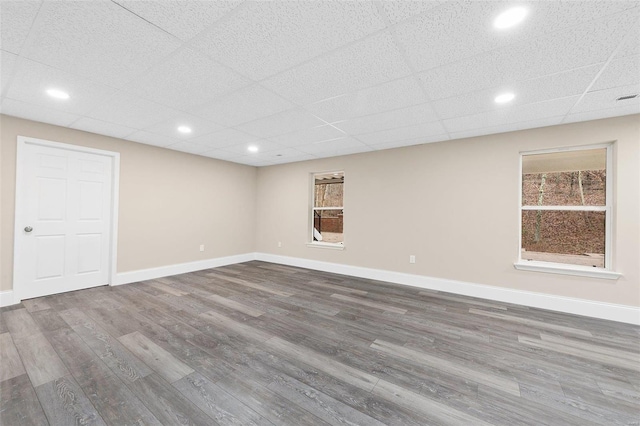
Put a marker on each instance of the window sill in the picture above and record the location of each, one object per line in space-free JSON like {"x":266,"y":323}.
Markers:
{"x":330,"y":246}
{"x":563,"y":269}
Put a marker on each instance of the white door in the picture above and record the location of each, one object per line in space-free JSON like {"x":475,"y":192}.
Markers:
{"x":63,"y":219}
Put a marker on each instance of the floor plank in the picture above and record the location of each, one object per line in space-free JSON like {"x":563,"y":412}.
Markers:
{"x":266,"y":344}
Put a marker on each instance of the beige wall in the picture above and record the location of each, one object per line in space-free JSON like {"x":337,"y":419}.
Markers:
{"x":455,"y":206}
{"x":170,"y":202}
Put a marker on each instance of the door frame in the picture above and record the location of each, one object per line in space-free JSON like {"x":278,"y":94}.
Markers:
{"x":22,"y":143}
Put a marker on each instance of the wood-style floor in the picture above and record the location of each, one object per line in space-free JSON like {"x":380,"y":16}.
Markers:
{"x":264,"y":344}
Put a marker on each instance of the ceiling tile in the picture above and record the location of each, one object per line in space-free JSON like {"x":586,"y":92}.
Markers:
{"x":541,"y":89}
{"x":102,"y":127}
{"x":366,"y":63}
{"x":189,"y":147}
{"x":283,"y":122}
{"x":631,"y":108}
{"x":7,"y":65}
{"x":576,"y":47}
{"x":510,"y":115}
{"x":16,"y":18}
{"x":169,"y":127}
{"x":620,"y":72}
{"x":607,"y":98}
{"x":131,"y":111}
{"x":399,"y":10}
{"x":152,"y":139}
{"x":221,"y":154}
{"x":98,"y":40}
{"x":333,"y":147}
{"x":262,"y":144}
{"x":263,"y":38}
{"x":413,"y":115}
{"x":384,"y":97}
{"x":459,"y":30}
{"x":183,"y":19}
{"x":409,"y":142}
{"x":243,"y":105}
{"x":36,"y":112}
{"x":224,"y":138}
{"x":185,"y":80}
{"x":32,"y":79}
{"x":512,"y":127}
{"x":403,"y":133}
{"x":631,"y":44}
{"x":313,"y":135}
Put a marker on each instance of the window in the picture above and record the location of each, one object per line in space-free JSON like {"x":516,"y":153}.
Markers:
{"x":327,"y":211}
{"x":565,"y":211}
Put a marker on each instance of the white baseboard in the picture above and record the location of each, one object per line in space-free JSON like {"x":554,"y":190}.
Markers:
{"x":6,"y":298}
{"x":589,"y":308}
{"x":180,"y":268}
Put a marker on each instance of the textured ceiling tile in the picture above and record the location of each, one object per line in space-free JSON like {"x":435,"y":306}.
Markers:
{"x":344,"y":144}
{"x":16,"y":18}
{"x":7,"y":65}
{"x":199,"y":127}
{"x":285,"y":155}
{"x":510,"y":115}
{"x":630,"y":108}
{"x":189,"y":147}
{"x":313,"y":135}
{"x":409,"y":142}
{"x":152,"y":139}
{"x":576,"y":47}
{"x":243,"y":105}
{"x":102,"y":128}
{"x":403,"y":133}
{"x":364,"y":64}
{"x":512,"y":127}
{"x":413,"y":115}
{"x":32,"y":80}
{"x":450,"y":32}
{"x":620,"y":72}
{"x":283,"y":122}
{"x":607,"y":98}
{"x":262,"y":144}
{"x":131,"y":112}
{"x":183,"y":19}
{"x":384,"y":97}
{"x":98,"y":40}
{"x":263,"y":38}
{"x":459,"y":30}
{"x":224,"y":138}
{"x":631,"y":44}
{"x":549,"y":87}
{"x":185,"y":80}
{"x":221,"y":154}
{"x":36,"y":112}
{"x":399,"y":10}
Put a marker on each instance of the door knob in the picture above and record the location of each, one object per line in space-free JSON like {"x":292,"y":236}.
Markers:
{"x":28,"y":229}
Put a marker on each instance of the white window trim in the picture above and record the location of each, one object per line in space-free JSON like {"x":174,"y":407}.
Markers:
{"x":313,"y":208}
{"x":562,"y":268}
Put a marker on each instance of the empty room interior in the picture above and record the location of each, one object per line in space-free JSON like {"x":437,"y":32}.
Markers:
{"x":319,"y":212}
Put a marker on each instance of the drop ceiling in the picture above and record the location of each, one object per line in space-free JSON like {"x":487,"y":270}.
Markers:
{"x":305,"y":80}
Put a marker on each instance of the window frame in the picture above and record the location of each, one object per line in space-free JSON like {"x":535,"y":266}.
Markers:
{"x":565,"y":268}
{"x":312,"y":209}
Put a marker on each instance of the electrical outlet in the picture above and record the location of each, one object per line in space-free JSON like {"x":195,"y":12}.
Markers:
{"x":412,"y":259}
{"x":201,"y":247}
{"x":279,"y":243}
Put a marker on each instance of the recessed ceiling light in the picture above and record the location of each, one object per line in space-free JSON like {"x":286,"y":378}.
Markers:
{"x":58,"y":94}
{"x":184,"y":129}
{"x":504,"y":98}
{"x":252,"y":148}
{"x":510,"y":17}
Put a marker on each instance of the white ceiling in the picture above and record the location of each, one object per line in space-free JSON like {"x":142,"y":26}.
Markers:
{"x":304,"y":80}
